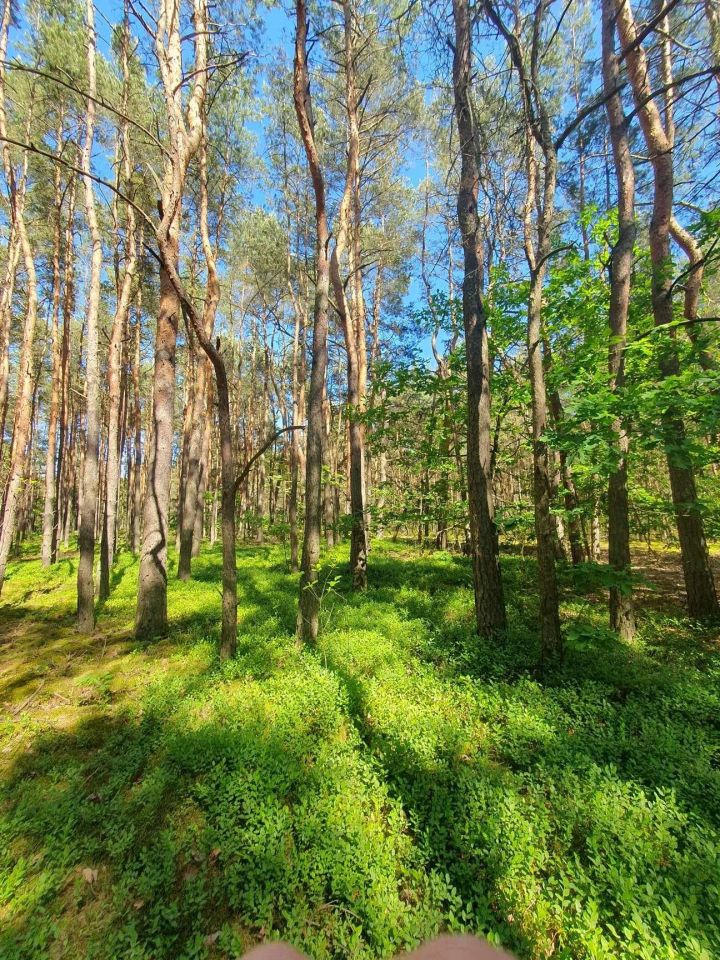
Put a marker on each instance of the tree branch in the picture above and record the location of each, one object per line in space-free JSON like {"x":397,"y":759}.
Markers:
{"x":31,"y":148}
{"x":242,"y":476}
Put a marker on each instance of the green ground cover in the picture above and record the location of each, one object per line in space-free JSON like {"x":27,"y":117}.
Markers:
{"x":399,"y":779}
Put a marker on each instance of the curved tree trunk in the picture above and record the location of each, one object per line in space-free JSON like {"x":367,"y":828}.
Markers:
{"x":699,"y":585}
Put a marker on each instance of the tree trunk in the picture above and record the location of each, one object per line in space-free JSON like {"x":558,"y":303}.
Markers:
{"x":88,"y":505}
{"x":309,"y":601}
{"x":48,"y":552}
{"x":622,"y":615}
{"x":699,"y":585}
{"x":136,"y":490}
{"x":61,"y":475}
{"x":352,"y":315}
{"x":186,"y":132}
{"x":487,"y":580}
{"x":151,"y":615}
{"x":119,"y":325}
{"x":6,"y":298}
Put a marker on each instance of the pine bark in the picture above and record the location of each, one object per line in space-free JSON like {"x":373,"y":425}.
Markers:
{"x":487,"y":580}
{"x":702,"y":599}
{"x":309,"y":602}
{"x":88,"y":504}
{"x":119,"y":325}
{"x":48,"y":549}
{"x":185,"y":131}
{"x":622,"y":615}
{"x":25,"y":382}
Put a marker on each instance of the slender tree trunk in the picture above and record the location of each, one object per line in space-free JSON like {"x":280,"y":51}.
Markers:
{"x":537,"y":229}
{"x":352,"y":314}
{"x":61,"y":475}
{"x":542,"y":483}
{"x":699,"y":585}
{"x":49,"y":540}
{"x":186,"y":131}
{"x":136,"y":492}
{"x":487,"y":580}
{"x":88,"y":505}
{"x":204,"y":468}
{"x":119,"y":325}
{"x":622,"y":615}
{"x":25,"y":382}
{"x":202,"y":327}
{"x":6,"y":298}
{"x":329,"y":488}
{"x":309,"y":602}
{"x":298,"y":398}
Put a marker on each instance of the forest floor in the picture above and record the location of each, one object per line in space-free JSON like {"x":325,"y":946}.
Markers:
{"x":401,"y":778}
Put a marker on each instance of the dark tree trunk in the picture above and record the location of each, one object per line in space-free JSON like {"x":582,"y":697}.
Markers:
{"x":487,"y":580}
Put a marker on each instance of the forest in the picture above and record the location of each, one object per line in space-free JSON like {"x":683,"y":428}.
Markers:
{"x":359,"y":477}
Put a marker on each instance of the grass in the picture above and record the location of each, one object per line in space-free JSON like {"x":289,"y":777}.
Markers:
{"x":400,"y":779}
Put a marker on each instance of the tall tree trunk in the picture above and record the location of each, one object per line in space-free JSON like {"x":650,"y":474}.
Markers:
{"x":487,"y":579}
{"x":352,"y":314}
{"x":699,"y":585}
{"x":151,"y":615}
{"x":88,"y":505}
{"x":6,"y":298}
{"x":61,"y":475}
{"x":185,"y":133}
{"x":25,"y":382}
{"x":119,"y":325}
{"x":298,"y":413}
{"x":228,"y":636}
{"x":622,"y":615}
{"x":191,"y":492}
{"x":136,"y":491}
{"x":309,"y":601}
{"x":539,"y":207}
{"x":49,"y":539}
{"x":204,"y":469}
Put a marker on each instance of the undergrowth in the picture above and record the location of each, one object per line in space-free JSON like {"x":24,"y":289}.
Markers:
{"x":400,"y":779}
